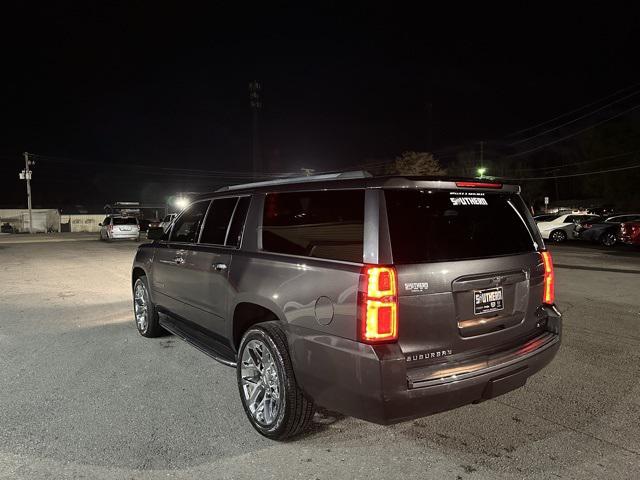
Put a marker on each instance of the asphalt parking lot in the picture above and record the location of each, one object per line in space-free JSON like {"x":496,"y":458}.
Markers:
{"x":83,"y":395}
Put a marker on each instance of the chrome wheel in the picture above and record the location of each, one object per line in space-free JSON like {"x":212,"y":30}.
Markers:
{"x":141,"y":306}
{"x":609,"y":239}
{"x":260,"y":383}
{"x":558,"y":236}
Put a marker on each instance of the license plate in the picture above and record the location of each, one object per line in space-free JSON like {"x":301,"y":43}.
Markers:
{"x":488,"y":300}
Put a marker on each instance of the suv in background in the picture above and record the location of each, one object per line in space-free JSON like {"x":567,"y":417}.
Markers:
{"x":383,"y":298}
{"x":118,"y":227}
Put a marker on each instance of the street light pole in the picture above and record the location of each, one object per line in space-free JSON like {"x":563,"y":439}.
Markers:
{"x":27,"y":176}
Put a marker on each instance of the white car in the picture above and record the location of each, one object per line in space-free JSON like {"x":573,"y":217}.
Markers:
{"x":563,"y":227}
{"x":117,"y":227}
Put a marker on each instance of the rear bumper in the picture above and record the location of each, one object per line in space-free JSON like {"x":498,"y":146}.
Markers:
{"x":124,"y":235}
{"x":374,"y":383}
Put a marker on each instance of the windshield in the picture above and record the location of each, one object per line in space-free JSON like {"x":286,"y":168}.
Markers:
{"x":435,"y":226}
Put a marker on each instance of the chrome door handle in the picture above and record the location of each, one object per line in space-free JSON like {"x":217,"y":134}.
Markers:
{"x":178,"y":260}
{"x":221,"y":267}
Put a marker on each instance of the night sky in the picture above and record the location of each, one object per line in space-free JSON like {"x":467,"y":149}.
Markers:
{"x":117,"y":86}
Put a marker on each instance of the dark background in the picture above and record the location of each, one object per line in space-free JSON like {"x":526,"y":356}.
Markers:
{"x":111,"y":94}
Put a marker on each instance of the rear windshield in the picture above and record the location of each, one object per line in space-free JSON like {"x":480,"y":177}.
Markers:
{"x":435,"y":226}
{"x":124,"y":221}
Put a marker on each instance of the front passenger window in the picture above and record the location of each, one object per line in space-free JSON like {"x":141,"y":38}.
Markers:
{"x":187,"y":226}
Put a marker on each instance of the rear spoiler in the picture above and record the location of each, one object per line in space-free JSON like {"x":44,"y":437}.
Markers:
{"x":453,"y":184}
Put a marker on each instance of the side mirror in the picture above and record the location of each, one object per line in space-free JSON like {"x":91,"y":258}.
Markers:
{"x":155,"y":233}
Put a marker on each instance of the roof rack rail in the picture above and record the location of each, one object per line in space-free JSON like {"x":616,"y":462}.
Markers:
{"x":310,"y":178}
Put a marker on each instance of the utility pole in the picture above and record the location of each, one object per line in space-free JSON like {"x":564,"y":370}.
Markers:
{"x":26,"y":175}
{"x":255,"y":102}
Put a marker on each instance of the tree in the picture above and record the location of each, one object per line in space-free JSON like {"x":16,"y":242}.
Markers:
{"x":415,"y":163}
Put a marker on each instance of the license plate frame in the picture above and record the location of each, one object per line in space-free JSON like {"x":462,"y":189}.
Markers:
{"x":494,"y":303}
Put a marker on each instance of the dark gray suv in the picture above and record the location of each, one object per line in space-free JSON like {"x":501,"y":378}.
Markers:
{"x":383,"y":298}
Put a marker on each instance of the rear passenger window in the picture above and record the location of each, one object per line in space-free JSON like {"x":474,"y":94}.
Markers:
{"x":315,"y":224}
{"x":215,"y":228}
{"x":188,"y":224}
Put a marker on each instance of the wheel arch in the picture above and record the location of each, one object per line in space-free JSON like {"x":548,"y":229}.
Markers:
{"x":249,"y":311}
{"x":136,"y":273}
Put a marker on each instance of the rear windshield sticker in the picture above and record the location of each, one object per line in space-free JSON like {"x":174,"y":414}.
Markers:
{"x":457,"y":201}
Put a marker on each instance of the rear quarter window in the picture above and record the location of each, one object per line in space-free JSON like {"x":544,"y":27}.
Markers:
{"x":435,"y":225}
{"x":322,"y":224}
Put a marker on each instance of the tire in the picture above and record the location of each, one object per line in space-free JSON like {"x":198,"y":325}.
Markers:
{"x":608,"y":239}
{"x":558,"y":236}
{"x":148,"y":326}
{"x":276,"y":407}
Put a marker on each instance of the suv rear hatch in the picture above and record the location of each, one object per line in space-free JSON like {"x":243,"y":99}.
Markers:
{"x":470,"y":277}
{"x":125,"y":225}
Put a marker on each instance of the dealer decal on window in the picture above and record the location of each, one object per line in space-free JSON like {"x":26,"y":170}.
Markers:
{"x":468,"y":201}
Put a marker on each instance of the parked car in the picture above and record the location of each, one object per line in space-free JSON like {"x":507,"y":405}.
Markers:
{"x":605,"y":230}
{"x":166,"y":221}
{"x":383,"y":298}
{"x":562,"y":227}
{"x":144,"y":224}
{"x":630,"y":233}
{"x":118,"y":227}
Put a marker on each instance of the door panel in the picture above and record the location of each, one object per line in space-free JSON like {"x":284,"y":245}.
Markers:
{"x":167,"y":270}
{"x":205,"y":288}
{"x":171,"y":275}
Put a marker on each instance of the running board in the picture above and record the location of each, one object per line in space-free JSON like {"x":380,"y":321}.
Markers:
{"x":192,"y":337}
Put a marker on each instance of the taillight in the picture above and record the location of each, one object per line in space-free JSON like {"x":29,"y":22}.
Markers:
{"x":548,"y":294}
{"x":479,"y":184}
{"x":378,"y":305}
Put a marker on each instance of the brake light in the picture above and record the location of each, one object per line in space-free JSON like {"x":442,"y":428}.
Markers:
{"x":478,"y":185}
{"x":548,"y":294}
{"x":378,"y":305}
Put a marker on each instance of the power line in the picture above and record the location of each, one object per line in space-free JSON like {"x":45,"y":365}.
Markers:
{"x":598,"y":172}
{"x":574,"y":110}
{"x":573,"y":134}
{"x":554,"y":167}
{"x":545,"y":132}
{"x":169,"y":170}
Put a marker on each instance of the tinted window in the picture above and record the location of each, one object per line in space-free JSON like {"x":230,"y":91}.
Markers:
{"x":124,"y":221}
{"x":215,"y":228}
{"x":237,"y":224}
{"x":440,"y":225}
{"x":315,"y":224}
{"x":187,"y":226}
{"x":106,"y":221}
